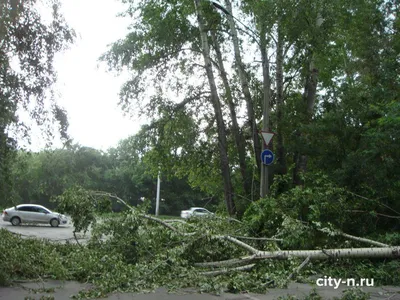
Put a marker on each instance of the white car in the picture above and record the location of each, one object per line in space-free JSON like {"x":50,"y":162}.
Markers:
{"x":194,"y":212}
{"x":33,"y":213}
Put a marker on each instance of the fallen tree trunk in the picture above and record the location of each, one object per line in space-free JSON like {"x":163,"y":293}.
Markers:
{"x":336,"y":253}
{"x":387,"y":252}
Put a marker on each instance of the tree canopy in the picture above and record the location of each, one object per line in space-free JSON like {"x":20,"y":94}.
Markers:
{"x":330,"y":81}
{"x":28,"y":43}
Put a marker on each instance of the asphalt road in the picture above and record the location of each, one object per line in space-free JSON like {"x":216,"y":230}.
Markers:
{"x":44,"y":231}
{"x":64,"y":290}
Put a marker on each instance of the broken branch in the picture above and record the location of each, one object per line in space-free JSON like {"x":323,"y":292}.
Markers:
{"x":229,"y":262}
{"x":364,"y":240}
{"x":224,"y":271}
{"x":296,"y":271}
{"x":237,"y":242}
{"x":257,"y":239}
{"x":378,"y":214}
{"x":154,"y":219}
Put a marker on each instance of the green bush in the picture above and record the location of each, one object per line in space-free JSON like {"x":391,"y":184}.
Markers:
{"x":296,"y":214}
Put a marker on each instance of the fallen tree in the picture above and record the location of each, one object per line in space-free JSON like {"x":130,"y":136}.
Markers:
{"x":214,"y":253}
{"x":384,"y":251}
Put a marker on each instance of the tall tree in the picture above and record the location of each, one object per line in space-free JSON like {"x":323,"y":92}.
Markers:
{"x":151,"y":51}
{"x":310,"y":86}
{"x":280,"y":56}
{"x":240,"y":67}
{"x":238,"y":137}
{"x":27,"y":48}
{"x":222,"y":143}
{"x":356,"y":118}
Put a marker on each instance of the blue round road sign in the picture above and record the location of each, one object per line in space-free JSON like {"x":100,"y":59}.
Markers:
{"x":267,"y":157}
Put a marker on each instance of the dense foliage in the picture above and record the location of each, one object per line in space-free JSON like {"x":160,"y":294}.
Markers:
{"x":309,"y":216}
{"x":331,"y":87}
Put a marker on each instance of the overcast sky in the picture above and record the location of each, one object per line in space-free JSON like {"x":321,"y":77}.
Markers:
{"x":89,"y":94}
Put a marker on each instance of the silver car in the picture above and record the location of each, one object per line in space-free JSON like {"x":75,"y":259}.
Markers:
{"x":195,"y":212}
{"x":33,"y":213}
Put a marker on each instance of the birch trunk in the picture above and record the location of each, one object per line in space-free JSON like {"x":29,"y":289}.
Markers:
{"x":393,"y":252}
{"x":235,"y":127}
{"x":222,"y":143}
{"x":387,"y":252}
{"x":279,"y":101}
{"x":244,"y":84}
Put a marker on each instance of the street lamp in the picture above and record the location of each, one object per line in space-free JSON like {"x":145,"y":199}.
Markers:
{"x":264,"y":189}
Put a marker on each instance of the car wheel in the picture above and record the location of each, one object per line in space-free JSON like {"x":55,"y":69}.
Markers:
{"x":54,"y":223}
{"x":15,"y":221}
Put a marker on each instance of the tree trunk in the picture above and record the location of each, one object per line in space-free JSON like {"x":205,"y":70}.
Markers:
{"x":235,"y":127}
{"x":310,"y":92}
{"x":281,"y":159}
{"x":335,"y":253}
{"x":380,"y":252}
{"x":245,"y":86}
{"x":222,"y":143}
